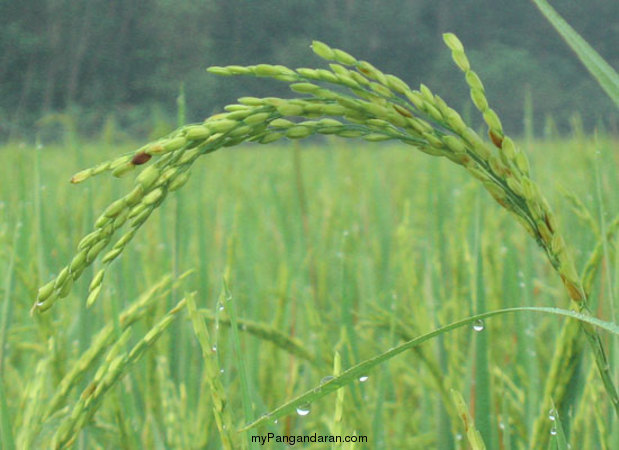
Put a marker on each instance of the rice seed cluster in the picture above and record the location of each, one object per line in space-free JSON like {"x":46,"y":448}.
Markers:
{"x":373,"y":106}
{"x":523,"y":194}
{"x":533,"y":211}
{"x":291,"y":345}
{"x":34,"y":398}
{"x":174,"y":408}
{"x":104,"y":339}
{"x":111,"y":369}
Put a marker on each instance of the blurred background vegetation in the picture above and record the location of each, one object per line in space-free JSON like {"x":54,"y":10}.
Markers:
{"x":114,"y":68}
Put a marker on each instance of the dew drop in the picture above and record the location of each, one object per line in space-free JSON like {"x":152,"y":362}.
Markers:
{"x":221,"y":370}
{"x":363,"y":378}
{"x":303,"y":410}
{"x":458,"y":437}
{"x":326,"y":379}
{"x":552,"y":415}
{"x":553,"y":431}
{"x":478,"y":325}
{"x":214,"y":349}
{"x":221,"y":307}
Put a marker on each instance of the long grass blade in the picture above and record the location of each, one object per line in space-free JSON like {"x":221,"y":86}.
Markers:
{"x":353,"y":373}
{"x":246,"y":396}
{"x":482,"y":386}
{"x":211,"y":374}
{"x":558,"y":440}
{"x":605,"y":75}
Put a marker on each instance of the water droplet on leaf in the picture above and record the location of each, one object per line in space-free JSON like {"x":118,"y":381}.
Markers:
{"x":552,"y":415}
{"x":303,"y":410}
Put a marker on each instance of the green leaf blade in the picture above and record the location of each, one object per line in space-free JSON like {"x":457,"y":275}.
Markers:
{"x":605,"y":75}
{"x":362,"y":369}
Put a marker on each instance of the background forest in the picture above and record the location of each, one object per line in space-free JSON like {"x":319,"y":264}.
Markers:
{"x":118,"y":65}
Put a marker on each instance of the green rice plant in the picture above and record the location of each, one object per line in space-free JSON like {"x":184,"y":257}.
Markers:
{"x":352,"y":100}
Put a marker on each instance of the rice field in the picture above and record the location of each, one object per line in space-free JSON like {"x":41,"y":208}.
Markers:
{"x":277,"y":267}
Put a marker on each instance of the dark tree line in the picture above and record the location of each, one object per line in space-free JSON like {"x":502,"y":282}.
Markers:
{"x":126,"y":59}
